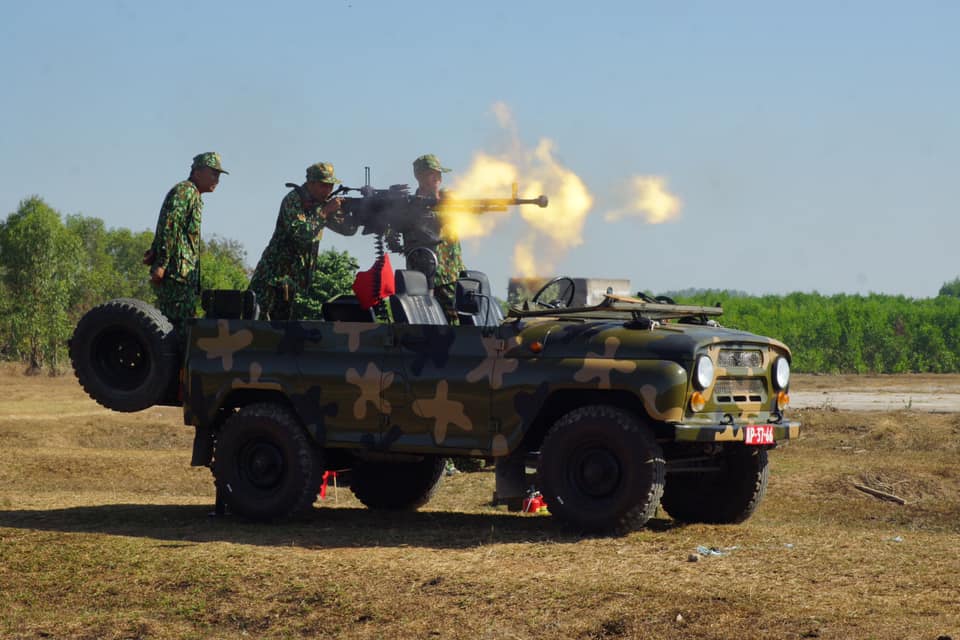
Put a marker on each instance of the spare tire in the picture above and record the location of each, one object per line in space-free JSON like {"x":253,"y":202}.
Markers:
{"x":124,"y":353}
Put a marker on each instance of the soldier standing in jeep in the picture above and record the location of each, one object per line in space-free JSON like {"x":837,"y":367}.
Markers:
{"x":175,"y":253}
{"x":287,"y":264}
{"x":429,"y":174}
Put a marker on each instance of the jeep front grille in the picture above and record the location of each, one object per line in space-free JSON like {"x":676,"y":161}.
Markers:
{"x":739,"y":390}
{"x":740,"y":358}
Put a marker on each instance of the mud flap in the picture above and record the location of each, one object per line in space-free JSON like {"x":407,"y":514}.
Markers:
{"x":511,"y":480}
{"x":202,"y":447}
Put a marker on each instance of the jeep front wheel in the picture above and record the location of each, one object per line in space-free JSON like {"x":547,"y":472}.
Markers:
{"x":601,"y":470}
{"x":725,"y":496}
{"x":396,"y":485}
{"x":265,"y":467}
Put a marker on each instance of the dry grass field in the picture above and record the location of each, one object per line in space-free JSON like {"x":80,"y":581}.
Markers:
{"x":104,"y":533}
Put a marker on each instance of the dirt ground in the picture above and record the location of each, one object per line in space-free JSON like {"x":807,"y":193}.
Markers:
{"x":104,"y":533}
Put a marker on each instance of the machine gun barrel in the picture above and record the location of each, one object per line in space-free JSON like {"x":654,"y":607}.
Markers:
{"x":396,"y":213}
{"x":480,"y":205}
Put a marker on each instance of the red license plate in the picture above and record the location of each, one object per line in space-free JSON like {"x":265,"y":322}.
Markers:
{"x":759,"y":434}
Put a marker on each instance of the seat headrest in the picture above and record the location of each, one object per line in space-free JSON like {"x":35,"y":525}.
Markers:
{"x":411,"y":282}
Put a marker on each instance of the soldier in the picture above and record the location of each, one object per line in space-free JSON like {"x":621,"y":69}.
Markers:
{"x":174,"y":256}
{"x":287,"y":264}
{"x":429,"y":174}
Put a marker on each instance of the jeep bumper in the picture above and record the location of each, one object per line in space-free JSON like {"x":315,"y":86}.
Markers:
{"x":785,"y":430}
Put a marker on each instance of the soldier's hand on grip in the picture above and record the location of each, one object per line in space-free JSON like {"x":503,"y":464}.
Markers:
{"x":332,"y":206}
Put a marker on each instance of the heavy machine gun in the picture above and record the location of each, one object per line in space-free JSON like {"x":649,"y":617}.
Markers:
{"x":411,"y":224}
{"x":409,"y":221}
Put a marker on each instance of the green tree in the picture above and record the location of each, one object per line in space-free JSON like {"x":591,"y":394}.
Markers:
{"x":223,"y":264}
{"x":95,"y":271}
{"x":111,"y":264}
{"x":951,"y":288}
{"x":39,"y":260}
{"x":333,"y":276}
{"x":126,"y":248}
{"x":8,"y":347}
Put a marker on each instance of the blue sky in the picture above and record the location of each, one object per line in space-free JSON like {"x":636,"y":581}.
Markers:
{"x":814,"y":146}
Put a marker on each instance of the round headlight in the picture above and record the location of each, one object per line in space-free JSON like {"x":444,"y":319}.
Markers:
{"x":781,"y":373}
{"x":703,"y":373}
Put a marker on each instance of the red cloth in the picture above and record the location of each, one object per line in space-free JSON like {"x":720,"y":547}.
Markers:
{"x":364,"y":284}
{"x":323,"y":487}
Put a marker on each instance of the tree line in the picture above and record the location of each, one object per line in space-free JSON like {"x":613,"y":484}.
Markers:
{"x":54,"y":268}
{"x":845,"y":333}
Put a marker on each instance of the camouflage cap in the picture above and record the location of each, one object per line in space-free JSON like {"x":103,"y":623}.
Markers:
{"x":428,"y":161}
{"x":322,"y":172}
{"x":209,"y":159}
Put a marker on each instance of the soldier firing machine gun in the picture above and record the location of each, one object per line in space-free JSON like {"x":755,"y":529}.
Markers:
{"x":407,"y":222}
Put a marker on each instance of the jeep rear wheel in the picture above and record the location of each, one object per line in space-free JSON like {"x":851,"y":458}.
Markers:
{"x":396,"y":485}
{"x":265,"y":466}
{"x":727,"y":496}
{"x":601,"y":470}
{"x":124,"y":353}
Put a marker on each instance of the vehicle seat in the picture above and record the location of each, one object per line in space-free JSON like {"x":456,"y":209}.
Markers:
{"x":229,"y":304}
{"x":489,"y":313}
{"x":413,"y":302}
{"x":345,"y":308}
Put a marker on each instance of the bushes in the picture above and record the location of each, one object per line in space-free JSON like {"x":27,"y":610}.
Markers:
{"x":851,"y":333}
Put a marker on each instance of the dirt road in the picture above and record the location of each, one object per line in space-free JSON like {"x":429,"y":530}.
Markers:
{"x":921,"y":392}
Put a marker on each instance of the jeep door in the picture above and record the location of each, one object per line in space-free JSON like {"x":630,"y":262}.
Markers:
{"x":341,"y":366}
{"x":439,"y":393}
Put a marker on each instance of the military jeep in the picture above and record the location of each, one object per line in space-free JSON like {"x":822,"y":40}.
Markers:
{"x":619,"y":407}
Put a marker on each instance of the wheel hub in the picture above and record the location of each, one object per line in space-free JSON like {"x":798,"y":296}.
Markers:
{"x":120,"y":359}
{"x":597,"y":472}
{"x":261,"y":464}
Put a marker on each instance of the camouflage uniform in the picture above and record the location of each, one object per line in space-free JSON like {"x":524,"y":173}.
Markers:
{"x":449,"y":266}
{"x":288,"y":262}
{"x":176,"y":246}
{"x":449,"y":254}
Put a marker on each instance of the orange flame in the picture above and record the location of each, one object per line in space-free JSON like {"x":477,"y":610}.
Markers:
{"x":559,"y":227}
{"x":650,"y":200}
{"x":570,"y":201}
{"x":487,"y":177}
{"x":537,"y":172}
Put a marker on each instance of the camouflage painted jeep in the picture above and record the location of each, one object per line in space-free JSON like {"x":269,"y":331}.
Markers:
{"x":619,"y":407}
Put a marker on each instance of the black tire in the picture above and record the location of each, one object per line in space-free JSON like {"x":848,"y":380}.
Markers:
{"x":125,"y":354}
{"x":265,"y":466}
{"x":601,"y":470}
{"x":728,"y":496}
{"x":396,"y":485}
